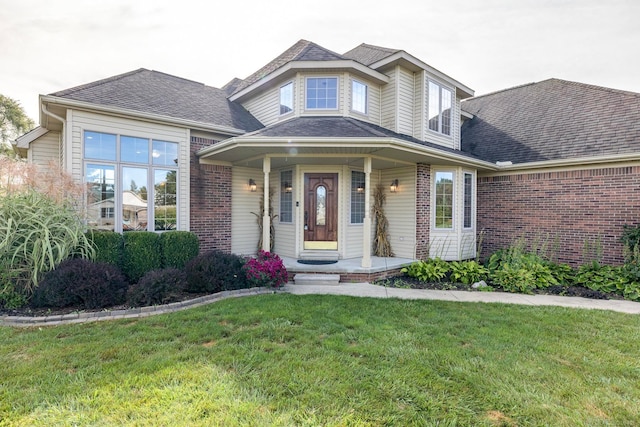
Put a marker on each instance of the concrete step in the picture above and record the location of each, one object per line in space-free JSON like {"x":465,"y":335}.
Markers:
{"x":316,"y":279}
{"x":319,"y":255}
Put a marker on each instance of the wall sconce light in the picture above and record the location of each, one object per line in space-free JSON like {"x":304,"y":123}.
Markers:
{"x":394,"y":186}
{"x":252,"y":186}
{"x":360,"y":187}
{"x":287,"y":187}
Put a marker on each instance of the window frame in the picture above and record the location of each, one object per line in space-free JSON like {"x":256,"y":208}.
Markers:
{"x":471,"y":199}
{"x":440,"y":116}
{"x":365,"y":102}
{"x":434,"y":221}
{"x":291,"y":93}
{"x":286,"y":197}
{"x":356,"y":198}
{"x":307,"y":91}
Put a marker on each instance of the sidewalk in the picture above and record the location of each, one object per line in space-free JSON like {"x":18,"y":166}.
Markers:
{"x":368,"y":290}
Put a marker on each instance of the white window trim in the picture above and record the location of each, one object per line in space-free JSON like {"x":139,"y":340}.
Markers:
{"x":440,"y":87}
{"x":356,"y":224}
{"x":454,"y":196}
{"x":366,"y":98}
{"x":337,"y":108}
{"x":473,"y":200}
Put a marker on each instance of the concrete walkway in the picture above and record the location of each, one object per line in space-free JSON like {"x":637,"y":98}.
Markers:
{"x":368,"y":290}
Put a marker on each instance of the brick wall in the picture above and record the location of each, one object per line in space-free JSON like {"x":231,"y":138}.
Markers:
{"x":210,"y":201}
{"x":577,"y":214}
{"x":423,"y":206}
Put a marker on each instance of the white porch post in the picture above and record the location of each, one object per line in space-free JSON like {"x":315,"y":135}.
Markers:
{"x":366,"y":225}
{"x":266,"y":220}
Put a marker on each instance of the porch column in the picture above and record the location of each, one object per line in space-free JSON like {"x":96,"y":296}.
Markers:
{"x":366,"y":224}
{"x":266,"y":220}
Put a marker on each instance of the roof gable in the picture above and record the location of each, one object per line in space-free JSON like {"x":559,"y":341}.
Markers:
{"x":163,"y":94}
{"x":368,"y":54}
{"x":551,"y":120}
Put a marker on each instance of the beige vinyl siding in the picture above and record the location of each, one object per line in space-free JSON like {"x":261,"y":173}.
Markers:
{"x":400,"y":209}
{"x":79,"y":121}
{"x":455,"y":122}
{"x":285,"y":233}
{"x":389,"y":101}
{"x":405,"y":101}
{"x":245,"y":232}
{"x":266,"y":106}
{"x":420,"y":110}
{"x":46,"y":149}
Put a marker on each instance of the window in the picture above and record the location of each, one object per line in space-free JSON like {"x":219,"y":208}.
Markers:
{"x":133,"y":186}
{"x":322,"y":93}
{"x":357,"y":197}
{"x":358,"y":97}
{"x":444,"y":200}
{"x":286,"y":98}
{"x":286,"y":196}
{"x":468,"y":201}
{"x":440,"y":101}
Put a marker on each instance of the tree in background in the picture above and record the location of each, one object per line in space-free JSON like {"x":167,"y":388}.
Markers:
{"x":13,"y":123}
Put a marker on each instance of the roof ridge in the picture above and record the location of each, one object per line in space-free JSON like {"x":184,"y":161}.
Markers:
{"x":592,"y":86}
{"x":382,"y":48}
{"x":500,"y":91}
{"x":98,"y":82}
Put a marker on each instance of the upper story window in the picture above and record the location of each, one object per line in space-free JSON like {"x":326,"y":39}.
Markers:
{"x":322,"y":93}
{"x":358,"y":97}
{"x":440,"y":101}
{"x":286,"y":98}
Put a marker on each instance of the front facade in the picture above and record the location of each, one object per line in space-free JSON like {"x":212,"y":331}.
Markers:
{"x":290,"y":159}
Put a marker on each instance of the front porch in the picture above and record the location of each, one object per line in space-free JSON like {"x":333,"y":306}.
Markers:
{"x":350,"y":270}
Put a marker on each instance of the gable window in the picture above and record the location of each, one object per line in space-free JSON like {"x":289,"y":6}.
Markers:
{"x":286,"y":196}
{"x":322,"y":93}
{"x":357,"y":197}
{"x":444,"y":200}
{"x":131,"y":182}
{"x":440,"y":102}
{"x":467,"y":221}
{"x":286,"y":98}
{"x":358,"y":97}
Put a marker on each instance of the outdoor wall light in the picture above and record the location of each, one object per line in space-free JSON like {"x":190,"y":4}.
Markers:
{"x":394,"y":186}
{"x":252,"y":186}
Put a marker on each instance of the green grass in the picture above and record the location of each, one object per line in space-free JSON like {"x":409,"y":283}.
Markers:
{"x":328,"y":360}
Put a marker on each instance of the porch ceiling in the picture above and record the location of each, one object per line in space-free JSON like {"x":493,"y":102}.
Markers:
{"x":385,"y":153}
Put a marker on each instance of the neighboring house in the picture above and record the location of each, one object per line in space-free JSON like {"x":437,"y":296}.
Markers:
{"x":302,"y":144}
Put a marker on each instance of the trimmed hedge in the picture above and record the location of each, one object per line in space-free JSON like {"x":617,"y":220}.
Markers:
{"x":178,"y":247}
{"x":215,"y":271}
{"x":109,"y":247}
{"x":141,"y":254}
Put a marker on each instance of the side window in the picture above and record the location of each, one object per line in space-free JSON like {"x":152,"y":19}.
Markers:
{"x":358,"y":97}
{"x":286,"y":98}
{"x":286,"y":196}
{"x":357,"y":197}
{"x":468,"y":201}
{"x":444,"y":200}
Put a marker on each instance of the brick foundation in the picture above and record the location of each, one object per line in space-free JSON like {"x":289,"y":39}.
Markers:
{"x":577,"y":214}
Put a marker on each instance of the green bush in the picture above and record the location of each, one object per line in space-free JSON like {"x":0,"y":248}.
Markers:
{"x":531,"y":268}
{"x":81,"y":283}
{"x":109,"y":247}
{"x":158,"y":287}
{"x":36,"y":234}
{"x":467,"y":272}
{"x":215,"y":271}
{"x":514,"y":278}
{"x":178,"y":247}
{"x":141,"y":254}
{"x":431,"y":270}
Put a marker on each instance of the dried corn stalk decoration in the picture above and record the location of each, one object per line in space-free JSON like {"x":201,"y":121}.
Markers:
{"x":272,"y":230}
{"x":381,"y":243}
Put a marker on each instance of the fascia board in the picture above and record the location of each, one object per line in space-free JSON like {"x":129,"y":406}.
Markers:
{"x":127,"y":113}
{"x":466,"y":91}
{"x":571,"y":163}
{"x":26,"y":139}
{"x":312,"y":65}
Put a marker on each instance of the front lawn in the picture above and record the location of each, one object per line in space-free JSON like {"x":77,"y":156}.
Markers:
{"x":328,"y":360}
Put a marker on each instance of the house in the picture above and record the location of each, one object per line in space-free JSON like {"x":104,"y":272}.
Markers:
{"x":290,"y":159}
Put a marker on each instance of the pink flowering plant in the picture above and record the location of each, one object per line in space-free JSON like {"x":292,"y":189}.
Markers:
{"x":266,"y":269}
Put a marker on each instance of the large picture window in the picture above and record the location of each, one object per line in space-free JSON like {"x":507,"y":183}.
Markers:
{"x":322,"y":93}
{"x":131,"y":182}
{"x":440,"y":102}
{"x":444,"y":200}
{"x":357,"y":197}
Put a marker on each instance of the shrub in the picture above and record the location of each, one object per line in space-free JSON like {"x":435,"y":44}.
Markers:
{"x":36,"y":234}
{"x":215,"y":271}
{"x":514,"y":279}
{"x":178,"y":247}
{"x":109,"y":247}
{"x":467,"y":272}
{"x":432,"y":270}
{"x":266,"y":269}
{"x":158,"y":287}
{"x":141,"y":254}
{"x":530,"y":267}
{"x":83,"y":283}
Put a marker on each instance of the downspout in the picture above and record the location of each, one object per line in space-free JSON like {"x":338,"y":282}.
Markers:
{"x":64,"y":127}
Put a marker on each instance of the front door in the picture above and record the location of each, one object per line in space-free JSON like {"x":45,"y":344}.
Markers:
{"x":321,"y":211}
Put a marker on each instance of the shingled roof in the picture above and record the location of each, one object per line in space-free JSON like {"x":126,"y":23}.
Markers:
{"x":303,"y":50}
{"x":552,"y":120}
{"x":367,"y":54}
{"x":158,"y":93}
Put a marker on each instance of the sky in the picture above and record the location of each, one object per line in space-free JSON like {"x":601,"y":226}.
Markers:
{"x":488,"y":45}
